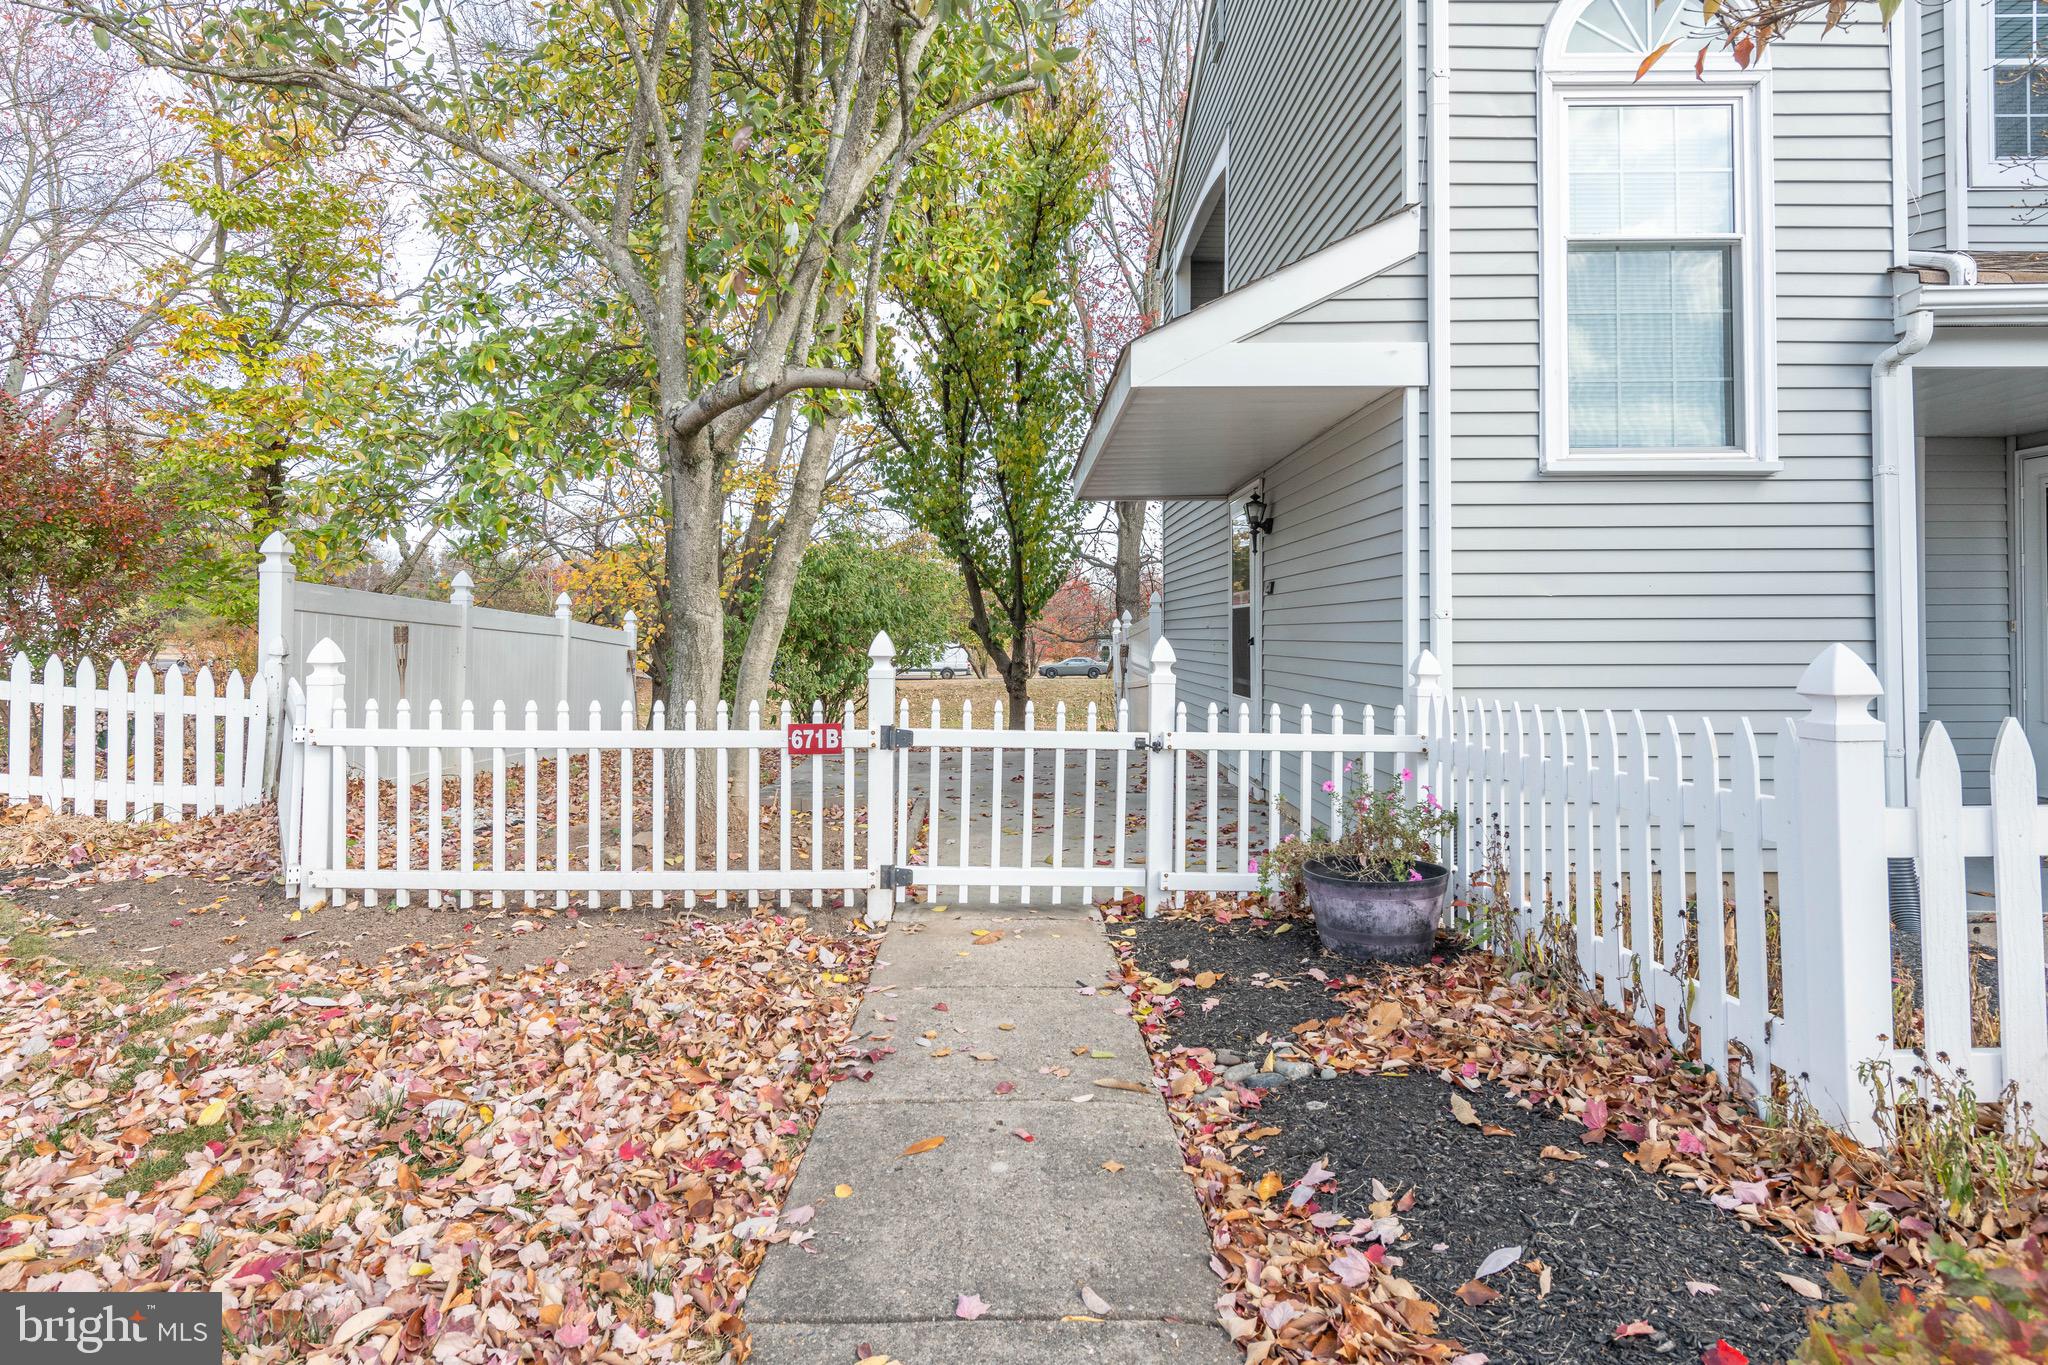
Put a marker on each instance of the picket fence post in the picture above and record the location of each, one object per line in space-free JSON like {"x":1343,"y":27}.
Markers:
{"x":1835,"y":941}
{"x":1160,"y":796}
{"x":881,"y":779}
{"x":326,"y":705}
{"x":273,"y":608}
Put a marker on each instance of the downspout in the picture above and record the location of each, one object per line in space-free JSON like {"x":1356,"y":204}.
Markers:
{"x":1955,"y":126}
{"x":1438,"y":241}
{"x":1893,"y":518}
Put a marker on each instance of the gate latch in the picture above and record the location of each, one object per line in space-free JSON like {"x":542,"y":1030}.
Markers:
{"x":1146,"y":742}
{"x":894,"y":877}
{"x":895,"y":737}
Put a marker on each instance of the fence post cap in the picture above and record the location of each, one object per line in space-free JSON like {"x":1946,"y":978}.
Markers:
{"x":326,"y":659}
{"x":562,"y":604}
{"x":1162,"y":652}
{"x":461,"y":588}
{"x":1126,"y":618}
{"x":275,"y":545}
{"x":1839,"y":674}
{"x":1427,"y":666}
{"x":632,"y":618}
{"x":883,"y":647}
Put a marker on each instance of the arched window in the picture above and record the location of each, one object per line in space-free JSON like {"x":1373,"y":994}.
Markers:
{"x":1654,"y":196}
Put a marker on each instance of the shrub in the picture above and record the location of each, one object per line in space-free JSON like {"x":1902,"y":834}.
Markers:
{"x":1977,"y":1309}
{"x":1386,"y":835}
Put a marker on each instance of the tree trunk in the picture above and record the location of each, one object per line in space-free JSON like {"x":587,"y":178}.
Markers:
{"x":778,"y":578}
{"x":1130,"y":549}
{"x":1017,"y":683}
{"x":693,"y":618}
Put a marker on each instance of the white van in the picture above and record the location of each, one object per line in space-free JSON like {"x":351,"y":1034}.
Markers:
{"x":953,"y":662}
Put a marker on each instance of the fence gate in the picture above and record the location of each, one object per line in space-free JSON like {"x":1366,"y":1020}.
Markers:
{"x":806,"y":807}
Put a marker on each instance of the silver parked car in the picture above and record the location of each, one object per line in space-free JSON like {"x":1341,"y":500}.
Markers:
{"x":1080,"y":666}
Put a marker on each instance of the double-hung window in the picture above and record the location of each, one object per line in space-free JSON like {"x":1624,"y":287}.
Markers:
{"x":2008,"y":97}
{"x":1650,"y":277}
{"x":1655,"y":306}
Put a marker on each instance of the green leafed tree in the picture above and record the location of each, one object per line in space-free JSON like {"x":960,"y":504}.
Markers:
{"x":983,"y":407}
{"x":726,"y":174}
{"x":275,"y":375}
{"x":851,"y":587}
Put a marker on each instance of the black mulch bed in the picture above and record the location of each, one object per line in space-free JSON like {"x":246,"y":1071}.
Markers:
{"x":1620,"y":1245}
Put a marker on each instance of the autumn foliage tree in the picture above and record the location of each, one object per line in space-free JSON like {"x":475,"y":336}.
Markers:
{"x":79,"y":544}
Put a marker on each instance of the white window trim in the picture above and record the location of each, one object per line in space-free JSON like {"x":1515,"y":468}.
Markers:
{"x":1570,"y":78}
{"x":1215,"y":189}
{"x":1255,"y":569}
{"x":1987,"y":171}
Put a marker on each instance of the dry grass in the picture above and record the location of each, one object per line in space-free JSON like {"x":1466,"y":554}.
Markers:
{"x":1046,"y":694}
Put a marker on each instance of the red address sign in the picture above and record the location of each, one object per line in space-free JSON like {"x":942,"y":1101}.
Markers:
{"x":812,"y":738}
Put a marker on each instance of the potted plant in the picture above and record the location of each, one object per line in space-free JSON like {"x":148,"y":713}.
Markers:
{"x":1376,"y":890}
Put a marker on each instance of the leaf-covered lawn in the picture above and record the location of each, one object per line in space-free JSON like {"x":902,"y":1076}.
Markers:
{"x":424,"y":1157}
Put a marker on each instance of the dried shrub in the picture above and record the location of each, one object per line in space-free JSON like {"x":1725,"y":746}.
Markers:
{"x":1976,"y":1309}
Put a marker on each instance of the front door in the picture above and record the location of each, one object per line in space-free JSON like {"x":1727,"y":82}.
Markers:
{"x":2031,"y":603}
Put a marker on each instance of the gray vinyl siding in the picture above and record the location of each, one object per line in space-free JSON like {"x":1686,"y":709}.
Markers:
{"x":1330,"y":630}
{"x":1195,"y":573}
{"x":1669,"y":593}
{"x":1312,"y":112}
{"x":1968,"y":595}
{"x":1926,"y":211}
{"x":1391,"y":306}
{"x":1999,"y":218}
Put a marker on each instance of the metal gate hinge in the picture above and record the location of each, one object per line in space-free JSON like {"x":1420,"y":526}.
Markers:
{"x":894,"y":877}
{"x":895,"y":737}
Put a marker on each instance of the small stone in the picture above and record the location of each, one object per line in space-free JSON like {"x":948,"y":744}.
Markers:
{"x":1241,"y":1073}
{"x":1328,"y":1073}
{"x":1266,"y":1080}
{"x":1225,"y":1057}
{"x":1295,"y":1071}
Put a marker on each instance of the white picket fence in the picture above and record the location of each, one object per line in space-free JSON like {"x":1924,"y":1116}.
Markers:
{"x":1648,"y":842}
{"x":2012,"y":831}
{"x":137,"y":747}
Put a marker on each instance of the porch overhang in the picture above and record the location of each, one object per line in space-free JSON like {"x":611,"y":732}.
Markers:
{"x":1199,"y":407}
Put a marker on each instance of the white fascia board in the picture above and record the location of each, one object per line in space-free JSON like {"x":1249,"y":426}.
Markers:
{"x":1303,"y":365}
{"x":1249,"y":310}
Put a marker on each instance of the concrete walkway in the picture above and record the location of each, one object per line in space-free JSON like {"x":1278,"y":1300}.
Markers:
{"x":1024,"y":1225}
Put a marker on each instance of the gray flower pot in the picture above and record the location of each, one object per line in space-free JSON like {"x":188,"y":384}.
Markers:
{"x":1377,"y":921}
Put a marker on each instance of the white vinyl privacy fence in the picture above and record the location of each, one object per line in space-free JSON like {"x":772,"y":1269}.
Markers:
{"x":138,"y":746}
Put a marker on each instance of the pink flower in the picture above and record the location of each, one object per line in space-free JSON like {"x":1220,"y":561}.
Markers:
{"x":1287,"y":839}
{"x":1414,"y":874}
{"x":1329,"y":786}
{"x":1349,"y":765}
{"x":1252,"y":863}
{"x":1407,"y":774}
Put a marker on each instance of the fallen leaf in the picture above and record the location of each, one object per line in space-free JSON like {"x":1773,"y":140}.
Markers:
{"x":1108,"y":1083}
{"x":1094,"y":1302}
{"x":1476,"y":1295}
{"x":1269,"y":1185}
{"x":969,"y":1307}
{"x":923,"y":1145}
{"x":1801,"y":1286}
{"x":1721,"y":1353}
{"x":1556,"y":1153}
{"x":842,"y":1191}
{"x":1497,"y":1261}
{"x":1638,"y":1328}
{"x":1112,"y":1166}
{"x":1462,"y":1109}
{"x":1699,"y":1287}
